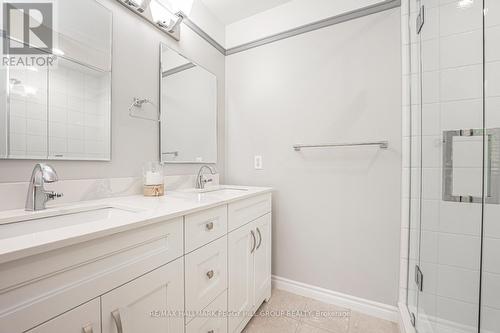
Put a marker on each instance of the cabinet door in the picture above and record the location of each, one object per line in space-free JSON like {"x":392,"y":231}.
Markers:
{"x":151,"y":303}
{"x":240,"y":284}
{"x":262,"y":259}
{"x":84,"y":319}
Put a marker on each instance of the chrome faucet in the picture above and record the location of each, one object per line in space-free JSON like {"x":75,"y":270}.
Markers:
{"x":200,"y":180}
{"x":37,"y":195}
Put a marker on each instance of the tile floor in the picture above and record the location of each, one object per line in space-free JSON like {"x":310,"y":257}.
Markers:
{"x":295,"y":318}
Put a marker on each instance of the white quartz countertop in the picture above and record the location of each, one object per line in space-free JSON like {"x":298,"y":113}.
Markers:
{"x":142,"y":211}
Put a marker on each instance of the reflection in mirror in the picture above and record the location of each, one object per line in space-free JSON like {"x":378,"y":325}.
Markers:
{"x":62,"y":111}
{"x":26,"y":119}
{"x":188,"y":128}
{"x":79,"y":117}
{"x":83,"y":32}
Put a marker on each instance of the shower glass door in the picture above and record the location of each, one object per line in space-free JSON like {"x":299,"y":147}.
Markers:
{"x":454,"y":256}
{"x":451,"y":49}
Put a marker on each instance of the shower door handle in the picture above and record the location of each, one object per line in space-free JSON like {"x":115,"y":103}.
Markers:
{"x":491,"y":144}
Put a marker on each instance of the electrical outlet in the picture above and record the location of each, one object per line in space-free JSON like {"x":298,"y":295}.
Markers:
{"x":258,"y":162}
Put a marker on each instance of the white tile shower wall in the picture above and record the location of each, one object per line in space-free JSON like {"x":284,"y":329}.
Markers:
{"x":452,"y":95}
{"x":457,"y":250}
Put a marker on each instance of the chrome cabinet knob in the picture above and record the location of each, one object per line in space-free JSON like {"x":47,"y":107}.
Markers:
{"x":209,"y":226}
{"x":210,"y":274}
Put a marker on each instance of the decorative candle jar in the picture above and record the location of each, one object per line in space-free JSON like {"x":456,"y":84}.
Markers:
{"x":152,"y":174}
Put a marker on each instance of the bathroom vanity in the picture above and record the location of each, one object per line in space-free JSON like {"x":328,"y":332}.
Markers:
{"x":192,"y":261}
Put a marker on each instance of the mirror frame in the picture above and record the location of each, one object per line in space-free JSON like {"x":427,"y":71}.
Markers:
{"x":215,"y":161}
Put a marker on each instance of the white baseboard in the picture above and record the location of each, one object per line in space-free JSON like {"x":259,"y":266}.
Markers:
{"x":375,"y":309}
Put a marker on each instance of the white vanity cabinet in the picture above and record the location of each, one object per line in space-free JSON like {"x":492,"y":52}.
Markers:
{"x":153,"y":302}
{"x":41,"y":287}
{"x":178,"y":275}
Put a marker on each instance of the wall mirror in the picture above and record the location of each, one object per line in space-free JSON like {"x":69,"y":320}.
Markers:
{"x":62,"y":111}
{"x":188,"y":106}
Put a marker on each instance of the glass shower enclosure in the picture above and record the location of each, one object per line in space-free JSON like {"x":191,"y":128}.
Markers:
{"x":453,"y":118}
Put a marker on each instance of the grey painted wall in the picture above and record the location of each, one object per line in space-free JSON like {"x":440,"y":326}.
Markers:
{"x":135,"y":73}
{"x":336,"y":211}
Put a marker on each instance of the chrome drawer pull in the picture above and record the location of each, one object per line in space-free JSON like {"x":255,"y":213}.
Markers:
{"x":211,"y":331}
{"x":260,"y":238}
{"x":87,"y":328}
{"x":209,"y":226}
{"x":210,"y":274}
{"x":118,"y":320}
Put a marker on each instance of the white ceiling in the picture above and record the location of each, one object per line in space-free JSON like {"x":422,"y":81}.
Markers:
{"x":229,"y":11}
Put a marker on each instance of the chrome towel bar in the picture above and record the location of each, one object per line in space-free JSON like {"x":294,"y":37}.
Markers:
{"x":380,"y":144}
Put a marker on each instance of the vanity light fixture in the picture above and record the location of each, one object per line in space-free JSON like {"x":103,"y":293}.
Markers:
{"x":131,"y":3}
{"x":157,"y":13}
{"x":58,"y":52}
{"x":172,"y":27}
{"x":137,"y":6}
{"x":462,"y":4}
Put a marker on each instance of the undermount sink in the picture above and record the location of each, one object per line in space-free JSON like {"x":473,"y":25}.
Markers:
{"x":51,"y":220}
{"x":224,"y":190}
{"x":227,"y":191}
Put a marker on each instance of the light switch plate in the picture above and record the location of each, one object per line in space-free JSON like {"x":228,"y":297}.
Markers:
{"x":258,"y":162}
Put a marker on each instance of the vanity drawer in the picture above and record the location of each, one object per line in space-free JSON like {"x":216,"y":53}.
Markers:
{"x":212,"y":319}
{"x":203,"y":227}
{"x":206,"y":274}
{"x":244,"y":211}
{"x":49,"y":284}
